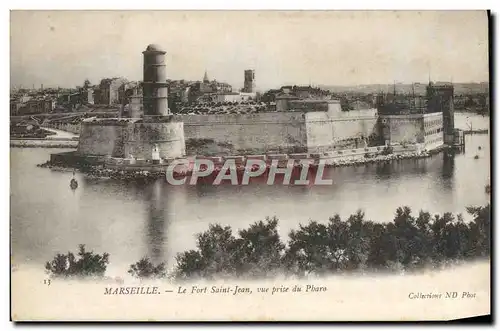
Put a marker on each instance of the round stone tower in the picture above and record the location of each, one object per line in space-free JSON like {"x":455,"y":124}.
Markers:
{"x":155,"y":89}
{"x":158,"y":133}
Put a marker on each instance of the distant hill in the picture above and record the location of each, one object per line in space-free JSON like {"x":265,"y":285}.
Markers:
{"x":460,"y":88}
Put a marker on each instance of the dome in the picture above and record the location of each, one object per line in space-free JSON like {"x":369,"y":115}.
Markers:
{"x":154,"y":48}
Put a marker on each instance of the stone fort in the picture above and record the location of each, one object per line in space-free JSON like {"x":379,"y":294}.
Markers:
{"x":305,"y":126}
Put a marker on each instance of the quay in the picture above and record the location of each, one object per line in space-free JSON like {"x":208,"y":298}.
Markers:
{"x":130,"y":168}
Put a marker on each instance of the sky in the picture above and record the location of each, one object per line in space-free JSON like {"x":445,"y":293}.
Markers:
{"x":63,"y":48}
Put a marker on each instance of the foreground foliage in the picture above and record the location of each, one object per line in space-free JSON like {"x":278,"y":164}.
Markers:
{"x":145,"y":269}
{"x":85,"y":264}
{"x":406,"y":243}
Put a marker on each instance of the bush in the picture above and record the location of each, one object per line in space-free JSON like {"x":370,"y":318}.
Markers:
{"x":145,"y":269}
{"x":88,"y":264}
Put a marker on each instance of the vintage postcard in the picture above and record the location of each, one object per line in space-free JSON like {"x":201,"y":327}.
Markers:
{"x":249,"y":165}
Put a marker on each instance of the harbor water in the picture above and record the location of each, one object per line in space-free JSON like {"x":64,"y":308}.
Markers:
{"x":131,"y":220}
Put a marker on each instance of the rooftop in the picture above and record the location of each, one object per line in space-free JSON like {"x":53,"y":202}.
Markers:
{"x":316,"y":101}
{"x":154,"y":48}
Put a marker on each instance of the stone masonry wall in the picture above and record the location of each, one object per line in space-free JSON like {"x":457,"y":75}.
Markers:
{"x":140,"y":139}
{"x":330,"y":130}
{"x":283,"y":132}
{"x":98,"y":139}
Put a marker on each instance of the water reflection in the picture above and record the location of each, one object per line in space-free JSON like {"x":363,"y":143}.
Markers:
{"x":157,"y":221}
{"x":448,"y":169}
{"x":131,"y":220}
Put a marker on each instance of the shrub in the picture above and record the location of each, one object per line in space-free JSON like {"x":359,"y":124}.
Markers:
{"x":145,"y":269}
{"x":88,"y":264}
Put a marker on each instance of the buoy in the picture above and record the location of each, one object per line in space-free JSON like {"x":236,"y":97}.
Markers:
{"x":73,"y":184}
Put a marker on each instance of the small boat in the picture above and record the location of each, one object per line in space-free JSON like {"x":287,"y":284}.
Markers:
{"x":73,"y":184}
{"x":476,"y":157}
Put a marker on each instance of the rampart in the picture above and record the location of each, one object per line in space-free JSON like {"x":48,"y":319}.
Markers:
{"x":103,"y":137}
{"x":125,"y":137}
{"x":281,"y":132}
{"x":229,"y":134}
{"x":276,"y":132}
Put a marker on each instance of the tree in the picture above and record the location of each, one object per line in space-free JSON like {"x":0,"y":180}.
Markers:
{"x":423,"y":239}
{"x":257,"y":252}
{"x":345,"y":104}
{"x":480,"y":230}
{"x":358,"y":244}
{"x":145,"y":269}
{"x":215,"y":255}
{"x":405,"y":243}
{"x":88,"y":264}
{"x":405,"y":234}
{"x":259,"y":249}
{"x":307,"y":250}
{"x":381,"y":249}
{"x":318,"y":248}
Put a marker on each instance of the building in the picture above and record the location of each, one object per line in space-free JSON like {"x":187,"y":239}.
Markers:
{"x":230,"y":97}
{"x":37,"y":105}
{"x":310,"y":105}
{"x":425,"y":129}
{"x":282,"y":101}
{"x":13,"y":107}
{"x":249,"y":82}
{"x":440,"y":99}
{"x":198,"y":91}
{"x":87,"y":96}
{"x":429,"y":120}
{"x":109,"y":91}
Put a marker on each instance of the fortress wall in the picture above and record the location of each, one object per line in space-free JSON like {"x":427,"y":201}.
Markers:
{"x":320,"y":134}
{"x":405,"y":130}
{"x":140,"y":139}
{"x":408,"y":128}
{"x":101,"y":139}
{"x":250,"y":133}
{"x":351,"y":127}
{"x":327,"y":130}
{"x":372,"y":112}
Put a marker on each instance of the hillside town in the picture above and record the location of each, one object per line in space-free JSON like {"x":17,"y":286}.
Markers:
{"x":215,"y":97}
